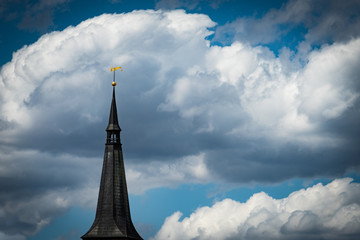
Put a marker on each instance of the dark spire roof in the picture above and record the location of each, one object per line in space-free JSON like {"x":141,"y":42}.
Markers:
{"x":113,"y":220}
{"x":113,"y":118}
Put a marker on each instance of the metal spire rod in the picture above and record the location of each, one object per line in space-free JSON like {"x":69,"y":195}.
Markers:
{"x":113,"y":69}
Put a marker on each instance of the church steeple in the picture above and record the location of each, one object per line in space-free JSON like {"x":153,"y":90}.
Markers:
{"x":113,"y":220}
{"x":113,"y":118}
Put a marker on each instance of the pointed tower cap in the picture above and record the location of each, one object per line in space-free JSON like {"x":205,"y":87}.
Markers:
{"x":113,"y":118}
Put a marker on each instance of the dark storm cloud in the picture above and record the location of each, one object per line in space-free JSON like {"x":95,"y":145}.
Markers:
{"x":36,"y":186}
{"x":188,"y":4}
{"x":274,"y":164}
{"x":317,"y":22}
{"x":31,"y":15}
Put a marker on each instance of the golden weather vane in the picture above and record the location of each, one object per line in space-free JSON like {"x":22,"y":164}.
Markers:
{"x":113,"y":69}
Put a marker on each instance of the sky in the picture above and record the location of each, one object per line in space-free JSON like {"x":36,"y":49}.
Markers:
{"x":240,"y":119}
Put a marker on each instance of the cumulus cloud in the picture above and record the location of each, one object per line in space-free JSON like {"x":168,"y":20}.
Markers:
{"x":319,"y":212}
{"x":191,"y":111}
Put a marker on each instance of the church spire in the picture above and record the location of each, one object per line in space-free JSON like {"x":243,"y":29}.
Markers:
{"x":113,"y":220}
{"x":113,"y":118}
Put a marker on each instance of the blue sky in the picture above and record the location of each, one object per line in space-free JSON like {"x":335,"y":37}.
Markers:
{"x":240,"y":119}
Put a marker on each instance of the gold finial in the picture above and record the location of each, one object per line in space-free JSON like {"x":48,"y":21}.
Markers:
{"x":113,"y":69}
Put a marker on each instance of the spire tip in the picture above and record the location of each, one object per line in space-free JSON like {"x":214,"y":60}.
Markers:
{"x":113,"y":69}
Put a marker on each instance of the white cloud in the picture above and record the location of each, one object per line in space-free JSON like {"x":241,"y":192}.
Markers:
{"x":74,"y":61}
{"x":327,"y":80}
{"x":283,"y":100}
{"x":319,"y":212}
